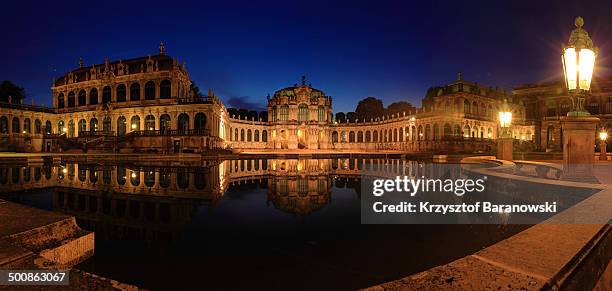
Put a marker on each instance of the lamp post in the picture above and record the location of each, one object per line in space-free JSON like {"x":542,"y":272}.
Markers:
{"x":504,"y":140}
{"x":578,"y":59}
{"x":603,"y":136}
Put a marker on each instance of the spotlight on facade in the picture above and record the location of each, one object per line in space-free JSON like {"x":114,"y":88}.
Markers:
{"x":578,"y":59}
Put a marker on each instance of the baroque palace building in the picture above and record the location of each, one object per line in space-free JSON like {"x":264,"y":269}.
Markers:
{"x":147,"y":104}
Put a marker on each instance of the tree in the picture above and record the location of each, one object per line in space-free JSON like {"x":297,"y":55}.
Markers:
{"x":253,"y":115}
{"x":263,"y":115}
{"x":399,"y":107}
{"x":351,"y":116}
{"x":340,"y":117}
{"x":243,"y":113}
{"x":233,"y":112}
{"x":7,"y":88}
{"x":369,"y":108}
{"x":196,"y":90}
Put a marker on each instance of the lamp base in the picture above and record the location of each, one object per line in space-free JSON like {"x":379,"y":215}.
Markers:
{"x":578,"y":147}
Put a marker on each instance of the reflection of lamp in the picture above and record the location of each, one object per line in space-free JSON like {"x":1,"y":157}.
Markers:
{"x":603,"y":136}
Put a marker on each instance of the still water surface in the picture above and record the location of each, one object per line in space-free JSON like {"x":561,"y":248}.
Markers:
{"x":235,"y":224}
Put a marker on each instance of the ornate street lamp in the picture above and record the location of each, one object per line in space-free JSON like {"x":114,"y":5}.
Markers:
{"x":578,"y":59}
{"x":578,"y":126}
{"x":504,"y":140}
{"x":603,"y":136}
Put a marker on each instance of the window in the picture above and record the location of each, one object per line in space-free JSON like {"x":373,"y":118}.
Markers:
{"x":106,"y":124}
{"x":165,"y":89}
{"x":264,"y":136}
{"x":284,"y":113}
{"x":135,"y":92}
{"x":466,"y":107}
{"x":200,"y":121}
{"x":256,"y":135}
{"x":121,"y":93}
{"x":16,"y":125}
{"x":93,"y":96}
{"x":93,"y":124}
{"x":37,"y":126}
{"x":48,"y":128}
{"x":303,"y":113}
{"x":106,"y":94}
{"x":27,"y":126}
{"x":121,"y":126}
{"x":183,"y":122}
{"x":60,"y":100}
{"x":71,"y":99}
{"x":321,"y":114}
{"x":135,"y":123}
{"x":274,"y":112}
{"x":150,"y":90}
{"x":164,"y":122}
{"x":82,"y":125}
{"x":82,"y":98}
{"x":249,"y":135}
{"x":150,"y":122}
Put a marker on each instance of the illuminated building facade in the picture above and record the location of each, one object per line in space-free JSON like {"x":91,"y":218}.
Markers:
{"x":147,"y":104}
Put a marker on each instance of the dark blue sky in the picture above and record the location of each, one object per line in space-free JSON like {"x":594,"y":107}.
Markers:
{"x":393,"y":50}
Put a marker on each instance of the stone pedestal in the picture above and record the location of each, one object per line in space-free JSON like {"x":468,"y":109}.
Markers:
{"x":504,"y":148}
{"x":578,"y":148}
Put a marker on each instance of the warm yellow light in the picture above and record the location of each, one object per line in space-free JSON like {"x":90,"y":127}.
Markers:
{"x":24,"y":131}
{"x":603,"y":135}
{"x":585,"y":68}
{"x":133,"y":126}
{"x":578,"y":66}
{"x":133,"y":175}
{"x":65,"y":171}
{"x":64,"y":129}
{"x":299,"y":132}
{"x":489,"y":135}
{"x":505,"y":118}
{"x":570,"y":66}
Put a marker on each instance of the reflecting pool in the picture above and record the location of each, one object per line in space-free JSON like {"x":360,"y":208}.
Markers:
{"x":235,"y":224}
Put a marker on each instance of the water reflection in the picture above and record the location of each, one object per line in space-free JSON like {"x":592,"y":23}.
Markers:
{"x":261,"y":214}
